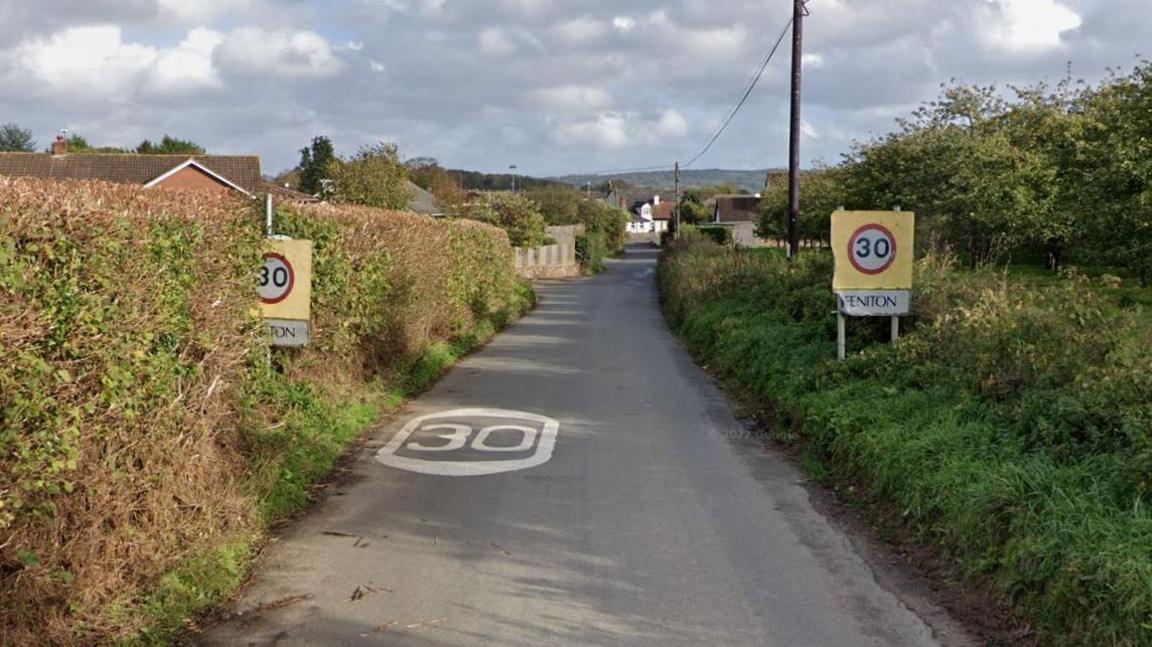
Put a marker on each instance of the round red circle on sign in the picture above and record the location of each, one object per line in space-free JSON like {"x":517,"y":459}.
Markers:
{"x":272,"y":292}
{"x":864,"y":244}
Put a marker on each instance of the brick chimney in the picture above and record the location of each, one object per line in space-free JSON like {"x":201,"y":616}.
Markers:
{"x":60,"y":146}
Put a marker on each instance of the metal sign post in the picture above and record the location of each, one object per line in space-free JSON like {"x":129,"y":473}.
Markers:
{"x":873,"y":270}
{"x":268,"y":213}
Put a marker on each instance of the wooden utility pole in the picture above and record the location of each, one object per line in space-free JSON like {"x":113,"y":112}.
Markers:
{"x":677,"y":208}
{"x":798,"y":12}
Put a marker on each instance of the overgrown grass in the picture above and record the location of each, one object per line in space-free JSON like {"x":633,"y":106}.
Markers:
{"x":196,"y":584}
{"x":1011,"y":426}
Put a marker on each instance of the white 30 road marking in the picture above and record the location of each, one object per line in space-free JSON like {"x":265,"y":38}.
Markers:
{"x":454,"y":436}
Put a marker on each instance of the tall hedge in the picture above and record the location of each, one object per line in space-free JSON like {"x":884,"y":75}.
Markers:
{"x":146,"y":434}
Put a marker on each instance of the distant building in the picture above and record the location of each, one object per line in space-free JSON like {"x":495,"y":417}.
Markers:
{"x":613,"y":197}
{"x":650,"y":216}
{"x":735,"y":208}
{"x":741,"y":213}
{"x":222,"y":173}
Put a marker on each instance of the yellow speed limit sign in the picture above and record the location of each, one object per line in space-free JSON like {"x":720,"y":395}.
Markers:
{"x":284,"y":284}
{"x":873,"y":251}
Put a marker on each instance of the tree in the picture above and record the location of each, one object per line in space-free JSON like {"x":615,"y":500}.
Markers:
{"x":375,"y":177}
{"x":170,"y":146}
{"x":513,"y":213}
{"x":315,"y":162}
{"x":426,"y":173}
{"x":1112,"y":170}
{"x":79,"y":144}
{"x":559,"y":203}
{"x":607,"y":221}
{"x":694,"y":201}
{"x":423,"y":171}
{"x":14,"y":139}
{"x":821,"y":193}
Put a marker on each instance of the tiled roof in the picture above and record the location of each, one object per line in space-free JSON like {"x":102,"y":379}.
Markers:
{"x":737,"y":208}
{"x":287,"y":193}
{"x":663,"y":211}
{"x":125,"y":168}
{"x":421,"y":201}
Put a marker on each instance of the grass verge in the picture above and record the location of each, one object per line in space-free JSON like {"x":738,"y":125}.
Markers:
{"x":1010,"y":428}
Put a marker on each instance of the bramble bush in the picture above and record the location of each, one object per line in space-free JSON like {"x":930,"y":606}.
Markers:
{"x":147,"y":435}
{"x":1011,"y":425}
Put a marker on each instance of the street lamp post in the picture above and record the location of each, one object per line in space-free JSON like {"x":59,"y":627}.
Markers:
{"x":513,"y":167}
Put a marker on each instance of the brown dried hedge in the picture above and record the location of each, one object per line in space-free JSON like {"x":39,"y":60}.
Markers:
{"x":143,"y":426}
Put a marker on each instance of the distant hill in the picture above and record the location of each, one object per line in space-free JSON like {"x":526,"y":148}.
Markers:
{"x":475,"y":180}
{"x":751,"y":181}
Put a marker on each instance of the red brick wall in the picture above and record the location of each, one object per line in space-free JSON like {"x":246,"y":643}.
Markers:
{"x":192,"y":178}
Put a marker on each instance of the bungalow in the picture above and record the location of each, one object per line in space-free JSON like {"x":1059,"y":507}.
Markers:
{"x":221,"y":173}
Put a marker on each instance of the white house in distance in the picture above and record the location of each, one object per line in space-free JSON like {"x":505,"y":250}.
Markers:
{"x":650,"y":216}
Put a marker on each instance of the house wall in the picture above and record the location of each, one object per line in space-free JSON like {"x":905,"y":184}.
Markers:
{"x":556,"y":261}
{"x":744,"y":235}
{"x":190,"y":178}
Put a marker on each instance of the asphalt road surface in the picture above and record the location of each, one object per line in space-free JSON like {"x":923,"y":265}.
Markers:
{"x":577,"y":482}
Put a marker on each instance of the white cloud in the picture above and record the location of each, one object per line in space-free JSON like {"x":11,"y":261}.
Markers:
{"x":495,"y":42}
{"x":671,"y":124}
{"x":609,"y":131}
{"x":1025,"y":25}
{"x":658,"y":18}
{"x":571,"y":97}
{"x":201,"y":12}
{"x":720,"y":43}
{"x":289,"y":54}
{"x":85,"y":60}
{"x":579,"y":30}
{"x":612,"y":131}
{"x":624,"y":24}
{"x":432,"y":7}
{"x":187,"y":67}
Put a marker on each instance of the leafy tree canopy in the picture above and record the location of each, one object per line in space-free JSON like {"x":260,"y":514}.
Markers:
{"x":15,"y":139}
{"x":170,"y":146}
{"x":426,"y":173}
{"x":315,"y":162}
{"x":375,"y":177}
{"x":514,"y":213}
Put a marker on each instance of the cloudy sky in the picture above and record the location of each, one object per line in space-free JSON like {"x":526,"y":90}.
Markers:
{"x":553,"y":86}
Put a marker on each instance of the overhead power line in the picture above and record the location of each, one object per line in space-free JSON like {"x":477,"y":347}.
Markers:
{"x":744,"y":98}
{"x":619,"y":171}
{"x":723,"y":126}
